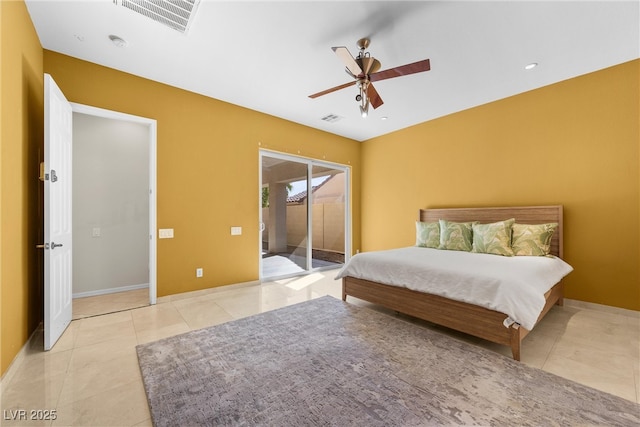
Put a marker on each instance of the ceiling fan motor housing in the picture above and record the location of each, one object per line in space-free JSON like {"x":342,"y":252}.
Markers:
{"x":368,"y":64}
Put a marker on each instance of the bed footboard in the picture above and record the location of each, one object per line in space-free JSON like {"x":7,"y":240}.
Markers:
{"x":468,"y":318}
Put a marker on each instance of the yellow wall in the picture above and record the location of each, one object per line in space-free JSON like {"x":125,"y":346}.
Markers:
{"x":573,"y":143}
{"x":2,"y":365}
{"x":207,"y":168}
{"x":21,"y":132}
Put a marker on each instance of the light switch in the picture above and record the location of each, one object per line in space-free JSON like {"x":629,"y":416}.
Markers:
{"x":166,"y":233}
{"x":236,"y":231}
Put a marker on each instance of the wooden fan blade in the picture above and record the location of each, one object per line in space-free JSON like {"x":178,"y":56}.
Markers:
{"x":403,"y":70}
{"x":346,"y":57}
{"x":333,"y":89}
{"x":374,"y":98}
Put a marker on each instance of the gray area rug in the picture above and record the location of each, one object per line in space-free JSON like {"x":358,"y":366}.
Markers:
{"x":329,"y":363}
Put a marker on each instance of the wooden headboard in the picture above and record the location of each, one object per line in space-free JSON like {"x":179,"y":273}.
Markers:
{"x":522,"y":214}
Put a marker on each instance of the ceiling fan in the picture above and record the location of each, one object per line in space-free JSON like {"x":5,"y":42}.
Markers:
{"x":364,"y":70}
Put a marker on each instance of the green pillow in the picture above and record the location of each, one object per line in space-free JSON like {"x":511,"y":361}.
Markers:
{"x":455,"y":236}
{"x":494,"y":238}
{"x":427,"y":234}
{"x":532,"y":239}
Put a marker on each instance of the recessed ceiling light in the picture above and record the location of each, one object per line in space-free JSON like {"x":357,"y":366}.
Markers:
{"x":118,"y":41}
{"x":531,"y":66}
{"x":384,"y":118}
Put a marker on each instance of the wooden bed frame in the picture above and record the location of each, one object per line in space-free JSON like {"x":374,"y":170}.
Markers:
{"x":468,"y":318}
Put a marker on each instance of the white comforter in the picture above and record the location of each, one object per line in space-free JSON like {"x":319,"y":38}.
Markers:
{"x":514,"y":286}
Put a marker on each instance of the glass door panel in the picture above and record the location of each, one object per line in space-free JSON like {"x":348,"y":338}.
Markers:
{"x":285,"y":217}
{"x":328,"y":198}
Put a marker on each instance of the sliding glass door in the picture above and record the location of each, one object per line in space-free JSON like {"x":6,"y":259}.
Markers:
{"x":329,"y":215}
{"x":284,"y":217}
{"x":303,"y":205}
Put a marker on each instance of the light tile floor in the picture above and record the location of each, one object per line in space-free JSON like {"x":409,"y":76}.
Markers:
{"x":289,"y":264}
{"x":109,"y":303}
{"x":91,"y":376}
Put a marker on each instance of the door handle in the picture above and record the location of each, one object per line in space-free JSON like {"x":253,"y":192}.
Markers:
{"x":55,"y":245}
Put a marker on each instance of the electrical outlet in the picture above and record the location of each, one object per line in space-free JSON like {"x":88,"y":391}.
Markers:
{"x":199,"y":272}
{"x":236,"y":231}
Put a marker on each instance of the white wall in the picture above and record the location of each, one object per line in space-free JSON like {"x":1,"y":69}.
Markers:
{"x":110,"y":194}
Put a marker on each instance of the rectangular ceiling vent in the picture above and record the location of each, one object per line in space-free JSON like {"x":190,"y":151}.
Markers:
{"x":331,"y":118}
{"x":175,"y":14}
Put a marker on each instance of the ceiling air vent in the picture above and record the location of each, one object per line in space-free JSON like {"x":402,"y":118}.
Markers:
{"x":331,"y":118}
{"x":175,"y":14}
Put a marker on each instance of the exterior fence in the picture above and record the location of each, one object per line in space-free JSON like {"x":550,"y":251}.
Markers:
{"x":328,"y":226}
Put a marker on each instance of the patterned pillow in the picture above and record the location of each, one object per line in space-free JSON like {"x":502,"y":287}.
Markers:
{"x":494,"y":238}
{"x":455,"y":236}
{"x":532,"y":239}
{"x":427,"y":234}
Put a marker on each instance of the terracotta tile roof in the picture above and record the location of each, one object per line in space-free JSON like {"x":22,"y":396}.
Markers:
{"x":301,"y":196}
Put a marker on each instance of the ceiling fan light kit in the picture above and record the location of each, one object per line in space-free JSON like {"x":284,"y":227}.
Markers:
{"x":364,"y":70}
{"x":364,"y":110}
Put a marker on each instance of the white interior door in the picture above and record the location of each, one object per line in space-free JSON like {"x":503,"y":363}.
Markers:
{"x":57,"y":212}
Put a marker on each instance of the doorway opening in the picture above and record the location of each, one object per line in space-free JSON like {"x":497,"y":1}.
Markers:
{"x":113,"y":212}
{"x":304,"y":206}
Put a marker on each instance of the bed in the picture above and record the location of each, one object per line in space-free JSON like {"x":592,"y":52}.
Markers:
{"x":463,"y":316}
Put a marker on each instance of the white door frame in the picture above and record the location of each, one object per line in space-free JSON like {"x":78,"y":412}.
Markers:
{"x":310,"y":162}
{"x":152,"y":124}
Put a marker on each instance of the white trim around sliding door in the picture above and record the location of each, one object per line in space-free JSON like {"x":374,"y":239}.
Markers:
{"x":310,"y":162}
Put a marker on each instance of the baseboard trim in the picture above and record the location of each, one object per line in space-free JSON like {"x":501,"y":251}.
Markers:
{"x":191,"y":294}
{"x":601,"y":307}
{"x":17,"y":361}
{"x":110,"y":290}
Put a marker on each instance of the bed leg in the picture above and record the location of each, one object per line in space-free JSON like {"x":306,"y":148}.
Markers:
{"x":560,"y":301}
{"x":515,"y":343}
{"x":516,"y":352}
{"x":344,"y":290}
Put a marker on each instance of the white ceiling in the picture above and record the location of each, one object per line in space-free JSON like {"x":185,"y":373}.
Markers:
{"x":269,"y":56}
